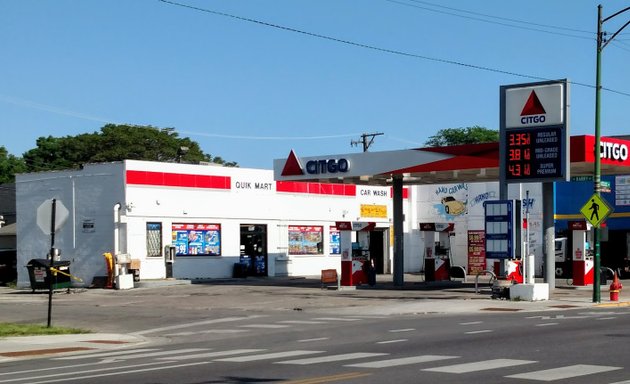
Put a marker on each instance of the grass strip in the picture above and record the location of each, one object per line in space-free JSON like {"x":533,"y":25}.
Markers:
{"x":15,"y":329}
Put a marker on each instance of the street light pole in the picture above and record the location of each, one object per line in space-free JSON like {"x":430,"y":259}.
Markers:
{"x":601,"y":44}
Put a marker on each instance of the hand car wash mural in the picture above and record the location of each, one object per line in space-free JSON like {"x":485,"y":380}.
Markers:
{"x":453,"y":199}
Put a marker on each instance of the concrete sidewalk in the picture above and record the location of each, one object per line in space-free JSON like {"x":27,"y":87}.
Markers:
{"x":262,"y":294}
{"x":21,"y":347}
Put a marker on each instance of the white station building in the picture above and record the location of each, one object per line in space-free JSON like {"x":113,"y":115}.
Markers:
{"x":197,"y":221}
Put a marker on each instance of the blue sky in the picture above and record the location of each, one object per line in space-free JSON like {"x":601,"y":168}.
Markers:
{"x":250,"y":92}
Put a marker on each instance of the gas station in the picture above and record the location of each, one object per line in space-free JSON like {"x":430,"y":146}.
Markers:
{"x":534,"y":147}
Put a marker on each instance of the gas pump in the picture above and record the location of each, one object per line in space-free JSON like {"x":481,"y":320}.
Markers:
{"x":582,"y":253}
{"x":437,"y":250}
{"x":354,"y":251}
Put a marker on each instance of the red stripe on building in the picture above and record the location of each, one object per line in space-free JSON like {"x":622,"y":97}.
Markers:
{"x":178,"y":180}
{"x":405,"y":193}
{"x":316,"y":188}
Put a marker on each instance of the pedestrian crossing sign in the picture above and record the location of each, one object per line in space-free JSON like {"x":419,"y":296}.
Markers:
{"x":596,"y":210}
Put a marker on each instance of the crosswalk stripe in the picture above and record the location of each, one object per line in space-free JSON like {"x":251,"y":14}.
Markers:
{"x":194,"y":324}
{"x":156,"y":354}
{"x":479,"y":366}
{"x":301,"y":322}
{"x":336,"y":319}
{"x":105,"y":354}
{"x":392,"y":341}
{"x":315,"y":339}
{"x":331,"y":358}
{"x":564,"y":372}
{"x":401,"y":361}
{"x":265,"y":326}
{"x":211,"y":354}
{"x":268,"y":356}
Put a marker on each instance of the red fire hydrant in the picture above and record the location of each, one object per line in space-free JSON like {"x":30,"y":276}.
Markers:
{"x":615,"y":287}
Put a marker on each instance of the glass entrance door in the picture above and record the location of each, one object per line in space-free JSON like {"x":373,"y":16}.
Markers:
{"x":254,"y":248}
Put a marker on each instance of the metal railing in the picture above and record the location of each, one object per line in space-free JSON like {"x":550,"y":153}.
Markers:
{"x":485,"y":272}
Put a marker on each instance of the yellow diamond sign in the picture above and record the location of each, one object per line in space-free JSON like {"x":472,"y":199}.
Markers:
{"x":596,"y":210}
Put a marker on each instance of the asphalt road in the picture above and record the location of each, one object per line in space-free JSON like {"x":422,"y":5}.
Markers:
{"x":254,"y":334}
{"x":566,"y":346}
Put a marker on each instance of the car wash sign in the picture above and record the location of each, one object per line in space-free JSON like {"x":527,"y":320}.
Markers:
{"x":534,"y":132}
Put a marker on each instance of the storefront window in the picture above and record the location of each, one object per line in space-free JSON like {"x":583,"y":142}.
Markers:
{"x":197,"y":239}
{"x":154,"y":239}
{"x":335,"y":245}
{"x":306,"y":240}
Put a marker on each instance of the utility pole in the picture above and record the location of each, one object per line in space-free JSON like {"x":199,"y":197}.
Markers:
{"x":602,"y":42}
{"x":364,"y":140}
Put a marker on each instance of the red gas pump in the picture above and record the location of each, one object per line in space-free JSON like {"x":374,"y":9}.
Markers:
{"x":352,"y":256}
{"x":583,"y":264}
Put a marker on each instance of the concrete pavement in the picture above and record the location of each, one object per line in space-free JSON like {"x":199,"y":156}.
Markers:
{"x":157,"y":299}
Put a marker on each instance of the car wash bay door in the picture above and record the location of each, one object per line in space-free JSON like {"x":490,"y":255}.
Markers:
{"x":254,"y":248}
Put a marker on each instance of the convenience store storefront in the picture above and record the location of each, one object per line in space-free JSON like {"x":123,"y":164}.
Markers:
{"x":212,"y":217}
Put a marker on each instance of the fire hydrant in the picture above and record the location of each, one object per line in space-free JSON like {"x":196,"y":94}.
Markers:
{"x":615,"y":287}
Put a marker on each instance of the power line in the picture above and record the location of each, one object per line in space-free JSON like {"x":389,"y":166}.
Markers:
{"x":267,"y":137}
{"x":505,"y":18}
{"x":493,"y":22}
{"x":379,"y":49}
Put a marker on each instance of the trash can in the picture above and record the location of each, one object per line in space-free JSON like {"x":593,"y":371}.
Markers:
{"x":38,"y":274}
{"x":240,"y":270}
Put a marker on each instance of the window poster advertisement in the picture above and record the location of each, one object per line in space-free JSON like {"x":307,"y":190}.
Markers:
{"x":197,"y":239}
{"x":476,"y":251}
{"x":306,"y":240}
{"x":335,"y":244}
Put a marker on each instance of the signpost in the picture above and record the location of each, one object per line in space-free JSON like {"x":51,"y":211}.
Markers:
{"x":51,"y":216}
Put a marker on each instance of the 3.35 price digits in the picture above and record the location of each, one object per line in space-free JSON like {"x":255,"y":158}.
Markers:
{"x":519,"y":139}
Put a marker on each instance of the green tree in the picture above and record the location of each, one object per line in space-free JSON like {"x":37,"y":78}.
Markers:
{"x":9,"y":166}
{"x":458,"y":136}
{"x":116,"y":143}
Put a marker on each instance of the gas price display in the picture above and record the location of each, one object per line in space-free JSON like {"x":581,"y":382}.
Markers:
{"x":534,"y":154}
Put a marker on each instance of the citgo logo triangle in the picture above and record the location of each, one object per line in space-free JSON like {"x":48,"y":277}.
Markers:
{"x":292,"y":167}
{"x":533,"y":106}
